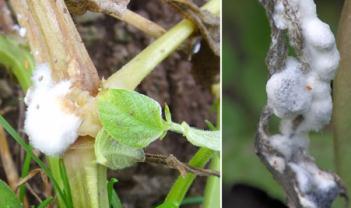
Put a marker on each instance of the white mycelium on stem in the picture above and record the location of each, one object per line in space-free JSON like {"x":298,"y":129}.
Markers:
{"x":299,"y":94}
{"x":50,"y":123}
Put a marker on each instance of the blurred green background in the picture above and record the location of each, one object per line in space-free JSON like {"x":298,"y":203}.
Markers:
{"x":245,"y":43}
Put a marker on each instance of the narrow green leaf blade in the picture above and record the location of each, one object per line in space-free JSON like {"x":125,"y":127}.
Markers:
{"x":8,"y":199}
{"x":115,"y":155}
{"x":45,"y":203}
{"x":130,"y":118}
{"x":28,"y":149}
{"x":113,"y":198}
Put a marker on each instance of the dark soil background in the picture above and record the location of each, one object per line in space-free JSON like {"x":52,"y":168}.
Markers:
{"x":111,"y":43}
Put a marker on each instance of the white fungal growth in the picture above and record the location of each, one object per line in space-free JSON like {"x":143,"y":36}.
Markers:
{"x":287,"y":92}
{"x":20,"y":30}
{"x":292,"y":92}
{"x":277,"y":162}
{"x":318,"y":34}
{"x":310,"y":178}
{"x":288,"y":145}
{"x":299,"y":94}
{"x":49,"y":123}
{"x":279,"y":18}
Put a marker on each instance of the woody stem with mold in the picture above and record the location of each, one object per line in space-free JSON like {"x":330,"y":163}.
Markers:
{"x":50,"y":22}
{"x":53,"y":39}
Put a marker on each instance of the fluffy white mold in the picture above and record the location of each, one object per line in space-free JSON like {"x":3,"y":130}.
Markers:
{"x":300,"y":94}
{"x":279,"y":16}
{"x":318,"y":34}
{"x":286,"y":91}
{"x":50,"y":123}
{"x":287,"y":145}
{"x":318,"y":116}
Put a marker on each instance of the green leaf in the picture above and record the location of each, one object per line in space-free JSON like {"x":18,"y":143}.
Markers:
{"x":113,"y":198}
{"x":198,"y":137}
{"x":130,"y":118}
{"x":17,"y":59}
{"x":8,"y":199}
{"x":45,"y":203}
{"x":115,"y":155}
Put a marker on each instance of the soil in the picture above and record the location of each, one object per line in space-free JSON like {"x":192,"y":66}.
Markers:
{"x":111,"y":44}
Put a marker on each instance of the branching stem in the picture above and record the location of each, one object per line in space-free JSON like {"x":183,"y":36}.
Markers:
{"x":131,"y":74}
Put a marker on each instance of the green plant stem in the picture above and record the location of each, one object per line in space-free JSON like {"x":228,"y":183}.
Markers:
{"x":54,"y":165}
{"x":195,"y":200}
{"x":213,"y":185}
{"x":342,"y":99}
{"x":131,"y":74}
{"x":175,"y":127}
{"x":182,"y":184}
{"x":87,"y":178}
{"x":212,"y":190}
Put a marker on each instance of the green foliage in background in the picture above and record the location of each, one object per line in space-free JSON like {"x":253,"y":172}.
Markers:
{"x":9,"y":199}
{"x":246,"y":39}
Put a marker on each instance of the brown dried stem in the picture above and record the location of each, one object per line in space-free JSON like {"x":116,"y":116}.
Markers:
{"x":7,"y":161}
{"x":30,"y":175}
{"x":139,"y":22}
{"x":79,"y":7}
{"x":172,"y":162}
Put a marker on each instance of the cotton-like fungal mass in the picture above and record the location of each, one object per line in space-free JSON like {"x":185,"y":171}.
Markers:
{"x":287,"y":92}
{"x":295,"y":92}
{"x":49,"y":123}
{"x":300,"y":94}
{"x":279,"y":16}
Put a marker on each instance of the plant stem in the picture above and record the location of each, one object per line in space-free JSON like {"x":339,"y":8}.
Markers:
{"x":54,"y":166}
{"x":212,"y":190}
{"x":140,"y":22}
{"x":176,"y":128}
{"x":131,"y":74}
{"x":7,"y":161}
{"x":213,"y":185}
{"x":87,"y":178}
{"x":342,"y":99}
{"x":182,"y":184}
{"x":54,"y":39}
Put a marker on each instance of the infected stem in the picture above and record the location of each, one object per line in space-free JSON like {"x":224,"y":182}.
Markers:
{"x":53,"y":38}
